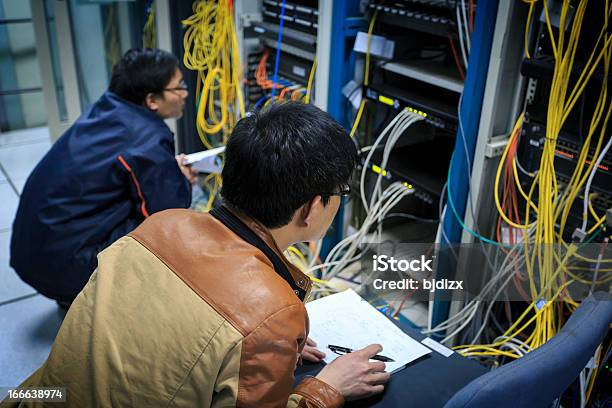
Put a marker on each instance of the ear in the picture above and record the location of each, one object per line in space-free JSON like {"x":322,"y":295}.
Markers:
{"x":311,"y":210}
{"x":151,"y":102}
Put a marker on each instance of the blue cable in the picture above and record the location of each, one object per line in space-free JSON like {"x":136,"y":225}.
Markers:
{"x":260,"y":101}
{"x":452,"y":206}
{"x":148,"y":5}
{"x":278,"y":47}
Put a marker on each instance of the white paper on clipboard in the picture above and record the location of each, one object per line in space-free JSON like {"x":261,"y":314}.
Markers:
{"x":347,"y":320}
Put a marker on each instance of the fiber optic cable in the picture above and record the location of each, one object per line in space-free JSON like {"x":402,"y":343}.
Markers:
{"x":211,"y":49}
{"x":149,"y":33}
{"x":278,"y":47}
{"x":366,"y":75}
{"x":310,"y":80}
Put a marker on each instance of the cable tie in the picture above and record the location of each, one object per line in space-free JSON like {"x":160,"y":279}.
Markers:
{"x":540,"y":304}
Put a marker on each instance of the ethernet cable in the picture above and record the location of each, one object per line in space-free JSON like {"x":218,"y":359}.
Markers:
{"x":587,"y":189}
{"x":404,"y":119}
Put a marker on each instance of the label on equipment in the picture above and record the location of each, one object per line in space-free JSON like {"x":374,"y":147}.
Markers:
{"x":299,"y":71}
{"x":385,"y":100}
{"x":434,"y":345}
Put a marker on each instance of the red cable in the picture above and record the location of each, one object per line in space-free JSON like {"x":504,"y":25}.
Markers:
{"x":456,"y":57}
{"x":471,"y":16}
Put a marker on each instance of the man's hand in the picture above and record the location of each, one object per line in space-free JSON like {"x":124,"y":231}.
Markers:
{"x":354,"y":376}
{"x":311,"y":352}
{"x":189,"y":173}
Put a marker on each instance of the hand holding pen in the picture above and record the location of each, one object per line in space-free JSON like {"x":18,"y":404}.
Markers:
{"x":354,"y":375}
{"x":344,"y":350}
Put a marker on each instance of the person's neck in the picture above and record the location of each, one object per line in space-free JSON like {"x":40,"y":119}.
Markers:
{"x":283,"y":236}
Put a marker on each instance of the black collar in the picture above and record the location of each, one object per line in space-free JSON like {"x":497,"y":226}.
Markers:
{"x":231,"y":221}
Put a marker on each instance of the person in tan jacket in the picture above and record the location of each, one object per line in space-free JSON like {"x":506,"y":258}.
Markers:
{"x":203,"y":310}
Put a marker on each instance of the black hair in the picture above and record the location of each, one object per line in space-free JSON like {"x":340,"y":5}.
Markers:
{"x":142,"y":71}
{"x":281,"y":157}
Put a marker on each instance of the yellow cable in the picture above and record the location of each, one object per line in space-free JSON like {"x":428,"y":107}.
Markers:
{"x":149,"y":33}
{"x":310,"y":80}
{"x":517,"y":181}
{"x":514,"y":133}
{"x":358,"y":117}
{"x":366,"y":76}
{"x":491,"y":353}
{"x":211,"y":49}
{"x":527,"y":24}
{"x":591,"y":209}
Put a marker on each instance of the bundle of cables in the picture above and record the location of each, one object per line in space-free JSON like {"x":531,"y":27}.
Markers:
{"x":546,"y":256}
{"x":295,"y":92}
{"x":465,"y":27}
{"x":534,"y":252}
{"x":211,"y":49}
{"x":380,"y":204}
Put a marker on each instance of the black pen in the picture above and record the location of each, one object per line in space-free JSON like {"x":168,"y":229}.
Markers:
{"x":344,"y":350}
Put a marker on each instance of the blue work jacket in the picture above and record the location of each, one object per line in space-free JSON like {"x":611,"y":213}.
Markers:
{"x":113,"y":168}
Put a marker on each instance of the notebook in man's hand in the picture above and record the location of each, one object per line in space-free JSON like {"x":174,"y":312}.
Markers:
{"x":345,"y":319}
{"x":206,"y":161}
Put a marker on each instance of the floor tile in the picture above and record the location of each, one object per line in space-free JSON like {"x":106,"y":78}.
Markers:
{"x":9,"y":201}
{"x":19,"y":183}
{"x":18,"y":161}
{"x":2,"y":176}
{"x":11,"y":286}
{"x":24,"y":136}
{"x":29,"y":328}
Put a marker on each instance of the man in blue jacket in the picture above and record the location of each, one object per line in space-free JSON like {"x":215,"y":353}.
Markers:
{"x":112,"y":169}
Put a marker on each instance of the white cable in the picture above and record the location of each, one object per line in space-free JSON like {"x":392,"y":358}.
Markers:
{"x":522,"y":346}
{"x":485,"y":319}
{"x":598,"y":264}
{"x":339,"y":246}
{"x":582,"y":390}
{"x":404,"y":123}
{"x":466,"y":26}
{"x":357,"y":236}
{"x":318,"y":246}
{"x":522,"y":169}
{"x":365,"y":169}
{"x":324,"y":265}
{"x":389,"y":199}
{"x":458,"y":330}
{"x":469,"y":311}
{"x":590,"y":180}
{"x":461,"y":44}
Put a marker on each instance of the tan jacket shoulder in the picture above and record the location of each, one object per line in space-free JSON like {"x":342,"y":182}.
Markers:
{"x":183,"y":312}
{"x":240,"y":283}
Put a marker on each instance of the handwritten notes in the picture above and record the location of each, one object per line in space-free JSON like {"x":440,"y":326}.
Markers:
{"x":345,"y":319}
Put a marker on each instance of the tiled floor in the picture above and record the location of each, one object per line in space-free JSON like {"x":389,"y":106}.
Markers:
{"x":28,"y":322}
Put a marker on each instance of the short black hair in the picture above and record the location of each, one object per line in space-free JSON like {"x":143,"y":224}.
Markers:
{"x":142,"y":71}
{"x":282,"y":156}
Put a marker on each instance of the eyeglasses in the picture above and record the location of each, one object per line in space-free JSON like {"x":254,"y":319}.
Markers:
{"x":345,"y":191}
{"x":182,"y":87}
